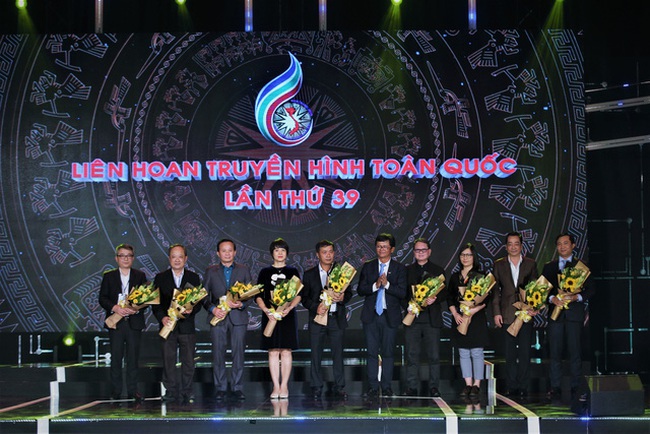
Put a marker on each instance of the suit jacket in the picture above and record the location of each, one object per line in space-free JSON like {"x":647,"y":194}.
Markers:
{"x":395,"y":293}
{"x":576,"y":310}
{"x":415,"y":274}
{"x":505,"y":293}
{"x":165,"y":282}
{"x":111,"y":288}
{"x":214,"y":282}
{"x":311,"y":291}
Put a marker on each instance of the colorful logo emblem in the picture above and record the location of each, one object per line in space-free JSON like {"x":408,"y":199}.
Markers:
{"x":281,"y":119}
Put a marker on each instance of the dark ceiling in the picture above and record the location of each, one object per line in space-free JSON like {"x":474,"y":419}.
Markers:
{"x":617,"y":46}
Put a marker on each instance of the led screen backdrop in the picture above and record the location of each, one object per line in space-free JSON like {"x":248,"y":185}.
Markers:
{"x":155,"y":139}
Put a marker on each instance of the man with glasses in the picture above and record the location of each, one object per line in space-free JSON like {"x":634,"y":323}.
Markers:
{"x":382,"y":282}
{"x":115,"y":288}
{"x":513,"y":272}
{"x":424,"y":333}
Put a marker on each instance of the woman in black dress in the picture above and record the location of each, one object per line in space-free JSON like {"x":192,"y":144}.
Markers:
{"x":285,"y":335}
{"x":470,"y":346}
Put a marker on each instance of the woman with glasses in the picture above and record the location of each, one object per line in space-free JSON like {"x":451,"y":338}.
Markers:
{"x":470,"y":346}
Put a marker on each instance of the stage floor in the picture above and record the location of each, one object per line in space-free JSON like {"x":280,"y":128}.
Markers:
{"x":300,"y":414}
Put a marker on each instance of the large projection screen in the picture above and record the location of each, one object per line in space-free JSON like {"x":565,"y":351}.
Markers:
{"x":155,"y":139}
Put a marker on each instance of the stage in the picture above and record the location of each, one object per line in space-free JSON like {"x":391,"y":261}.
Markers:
{"x":60,"y":398}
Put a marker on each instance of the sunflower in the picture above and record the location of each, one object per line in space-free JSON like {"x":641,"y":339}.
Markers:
{"x":336,"y":286}
{"x":469,"y":295}
{"x":180,"y":298}
{"x":570,"y":284}
{"x":537,"y":298}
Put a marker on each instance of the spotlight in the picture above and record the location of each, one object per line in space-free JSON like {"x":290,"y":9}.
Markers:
{"x":21,"y":4}
{"x":68,"y":340}
{"x":396,"y":2}
{"x":180,"y":2}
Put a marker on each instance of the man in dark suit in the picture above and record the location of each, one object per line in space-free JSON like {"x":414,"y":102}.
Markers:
{"x":569,"y":324}
{"x":217,"y":281}
{"x":115,"y":288}
{"x":183,"y":336}
{"x":424,"y":333}
{"x":382,"y":282}
{"x":314,"y":280}
{"x":512,"y":273}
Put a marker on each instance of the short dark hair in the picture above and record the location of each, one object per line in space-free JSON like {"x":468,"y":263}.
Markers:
{"x":470,"y":246}
{"x":169,"y":251}
{"x":226,"y":240}
{"x":278,"y":243}
{"x":385,"y":237}
{"x":422,"y":240}
{"x":323,"y":243}
{"x":124,"y":246}
{"x":514,"y":234}
{"x":566,"y":234}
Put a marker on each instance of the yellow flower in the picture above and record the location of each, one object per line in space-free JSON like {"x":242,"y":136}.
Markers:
{"x":469,"y":295}
{"x":336,"y":286}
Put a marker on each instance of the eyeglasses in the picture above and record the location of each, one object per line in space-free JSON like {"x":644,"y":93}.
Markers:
{"x":383,"y":247}
{"x":466,"y":255}
{"x":420,"y":250}
{"x":124,"y":256}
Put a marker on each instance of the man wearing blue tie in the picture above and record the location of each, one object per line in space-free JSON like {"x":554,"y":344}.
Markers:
{"x":383,"y":283}
{"x":569,"y":324}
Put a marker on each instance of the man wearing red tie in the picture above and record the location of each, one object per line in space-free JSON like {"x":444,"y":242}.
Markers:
{"x":383,"y":283}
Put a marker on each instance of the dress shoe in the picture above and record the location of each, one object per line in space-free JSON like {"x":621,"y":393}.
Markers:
{"x":434,"y":392}
{"x":410,"y":392}
{"x":371,"y":393}
{"x":474,"y":391}
{"x":339,"y":394}
{"x":220,"y":395}
{"x":466,"y":391}
{"x":580,"y":396}
{"x":387,"y":392}
{"x":316,"y":392}
{"x":188,"y":399}
{"x":239,"y":395}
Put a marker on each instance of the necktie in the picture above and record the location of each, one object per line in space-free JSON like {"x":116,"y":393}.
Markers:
{"x":379,"y":303}
{"x":562,"y":264}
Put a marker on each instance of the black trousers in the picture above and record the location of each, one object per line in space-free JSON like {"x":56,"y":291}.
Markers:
{"x":518,"y":356}
{"x":420,"y":337}
{"x":186,"y":344}
{"x":317,"y":335}
{"x":558,"y":332}
{"x":125,"y":343}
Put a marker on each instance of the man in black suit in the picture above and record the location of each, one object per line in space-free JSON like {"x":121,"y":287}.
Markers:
{"x":382,"y":282}
{"x":183,"y":336}
{"x":217,"y":281}
{"x":424,"y":333}
{"x":314,"y":280}
{"x":513,"y":272}
{"x":568,"y":326}
{"x":115,"y":288}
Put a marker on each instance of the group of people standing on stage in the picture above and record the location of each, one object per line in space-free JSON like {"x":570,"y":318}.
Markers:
{"x":386,"y":287}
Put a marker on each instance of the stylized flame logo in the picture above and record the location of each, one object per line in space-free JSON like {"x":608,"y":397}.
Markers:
{"x":280,"y":119}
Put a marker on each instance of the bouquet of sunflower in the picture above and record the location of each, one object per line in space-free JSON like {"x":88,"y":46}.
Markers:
{"x":472,"y":295}
{"x":337,"y":282}
{"x":238,"y":292}
{"x":282,"y":295}
{"x":532,"y":297}
{"x":429,"y":288}
{"x":182,"y":301}
{"x":570,"y":281}
{"x":139,"y":298}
